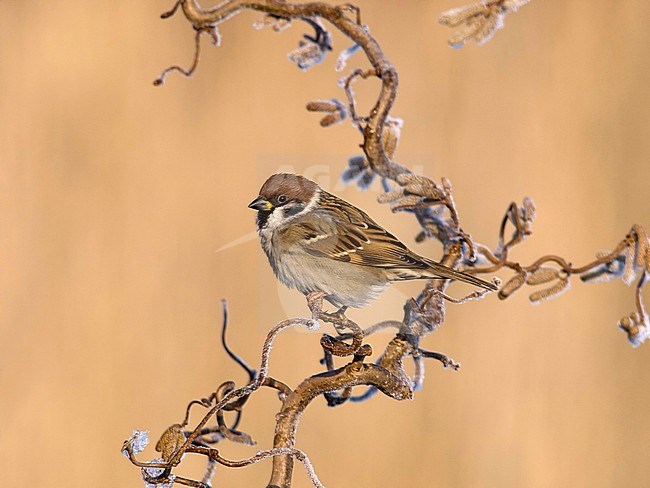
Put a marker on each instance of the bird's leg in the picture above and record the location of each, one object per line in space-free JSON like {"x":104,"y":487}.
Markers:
{"x":338,"y":320}
{"x":315,"y":304}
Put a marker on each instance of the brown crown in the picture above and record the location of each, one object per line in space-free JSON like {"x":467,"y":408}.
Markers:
{"x":294,"y":187}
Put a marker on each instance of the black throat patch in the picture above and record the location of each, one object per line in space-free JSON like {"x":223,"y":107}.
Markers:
{"x":263,"y":218}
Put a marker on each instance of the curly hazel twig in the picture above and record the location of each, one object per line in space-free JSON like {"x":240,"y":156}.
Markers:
{"x":433,"y":206}
{"x":336,"y":15}
{"x":630,"y":257}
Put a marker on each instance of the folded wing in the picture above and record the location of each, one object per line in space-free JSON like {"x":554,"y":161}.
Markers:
{"x":357,"y":239}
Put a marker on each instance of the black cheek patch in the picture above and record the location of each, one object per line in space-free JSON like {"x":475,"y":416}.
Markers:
{"x":293,"y":208}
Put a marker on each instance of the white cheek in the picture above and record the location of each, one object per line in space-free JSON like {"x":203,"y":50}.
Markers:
{"x":276,"y":220}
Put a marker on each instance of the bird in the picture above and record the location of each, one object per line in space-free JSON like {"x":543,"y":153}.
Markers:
{"x":318,"y":242}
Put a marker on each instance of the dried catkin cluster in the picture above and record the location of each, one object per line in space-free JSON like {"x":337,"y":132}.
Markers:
{"x":478,"y":22}
{"x":335,"y":111}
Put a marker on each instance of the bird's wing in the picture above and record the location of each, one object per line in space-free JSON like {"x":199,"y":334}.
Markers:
{"x":340,"y":231}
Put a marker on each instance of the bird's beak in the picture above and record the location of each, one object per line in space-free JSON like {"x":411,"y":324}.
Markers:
{"x":261,"y":204}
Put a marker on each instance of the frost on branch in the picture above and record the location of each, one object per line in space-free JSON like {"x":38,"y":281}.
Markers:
{"x":359,"y":169}
{"x":278,"y":24}
{"x":346,"y":54}
{"x":153,"y":477}
{"x":136,"y":443}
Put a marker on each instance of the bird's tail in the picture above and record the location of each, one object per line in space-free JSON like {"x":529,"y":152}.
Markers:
{"x":440,"y":271}
{"x":437,"y":270}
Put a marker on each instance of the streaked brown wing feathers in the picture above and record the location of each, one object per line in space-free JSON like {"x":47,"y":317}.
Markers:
{"x":355,"y":239}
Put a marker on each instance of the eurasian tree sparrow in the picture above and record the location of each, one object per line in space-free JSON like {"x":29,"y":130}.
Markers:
{"x":317,"y":242}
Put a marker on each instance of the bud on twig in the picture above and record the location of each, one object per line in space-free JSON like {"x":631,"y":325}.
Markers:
{"x":629,"y":271}
{"x":637,"y":328}
{"x":306,"y":55}
{"x":391,"y":135}
{"x":542,"y":275}
{"x":278,"y":24}
{"x":512,"y":285}
{"x":643,"y":245}
{"x":170,"y":441}
{"x":335,"y":110}
{"x":553,"y":292}
{"x":481,"y":20}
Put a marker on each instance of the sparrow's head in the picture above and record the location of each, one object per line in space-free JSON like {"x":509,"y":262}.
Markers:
{"x":282,"y":197}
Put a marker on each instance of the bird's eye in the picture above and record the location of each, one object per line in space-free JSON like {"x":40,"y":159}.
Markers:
{"x":282,"y":199}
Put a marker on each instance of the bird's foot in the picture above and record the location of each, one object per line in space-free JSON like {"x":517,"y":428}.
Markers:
{"x":338,"y":320}
{"x":336,"y":346}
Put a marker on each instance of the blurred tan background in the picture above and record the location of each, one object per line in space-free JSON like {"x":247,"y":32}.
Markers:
{"x":115,"y":195}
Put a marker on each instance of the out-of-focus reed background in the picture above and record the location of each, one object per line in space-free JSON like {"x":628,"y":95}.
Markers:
{"x":115,"y":195}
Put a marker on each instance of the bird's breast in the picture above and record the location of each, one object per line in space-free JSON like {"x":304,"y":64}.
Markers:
{"x":346,"y":284}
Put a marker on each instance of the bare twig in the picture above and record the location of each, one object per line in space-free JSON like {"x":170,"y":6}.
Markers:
{"x":446,"y":361}
{"x":214,"y":455}
{"x":195,"y":62}
{"x":251,"y":372}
